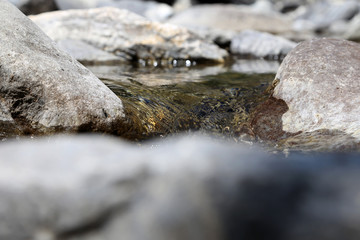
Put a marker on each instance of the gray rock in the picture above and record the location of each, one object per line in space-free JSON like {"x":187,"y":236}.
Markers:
{"x":34,"y":6}
{"x":260,"y":45}
{"x":149,"y":9}
{"x":45,"y":90}
{"x":89,"y":188}
{"x":89,"y":55}
{"x":221,"y":22}
{"x":318,"y":81}
{"x":353,"y":29}
{"x":78,"y":4}
{"x":316,"y":91}
{"x":121,"y":32}
{"x":322,"y":14}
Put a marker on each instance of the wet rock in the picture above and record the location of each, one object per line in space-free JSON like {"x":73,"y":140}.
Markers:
{"x":221,"y":22}
{"x":260,"y":45}
{"x":34,"y":6}
{"x":317,"y":85}
{"x":121,"y":32}
{"x":189,"y":188}
{"x":45,"y":90}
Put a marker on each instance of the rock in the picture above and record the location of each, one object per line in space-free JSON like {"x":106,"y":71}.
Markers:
{"x":352,"y":31}
{"x":149,"y":9}
{"x":34,"y":6}
{"x":316,"y":89}
{"x":260,"y":45}
{"x":121,"y":32}
{"x":78,"y":4}
{"x":221,"y":22}
{"x":320,"y":15}
{"x":45,"y":90}
{"x":92,"y":187}
{"x":89,"y":55}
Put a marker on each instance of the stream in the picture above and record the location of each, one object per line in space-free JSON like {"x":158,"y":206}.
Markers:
{"x":212,"y":99}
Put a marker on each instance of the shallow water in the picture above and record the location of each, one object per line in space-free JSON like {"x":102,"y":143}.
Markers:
{"x":211,"y":99}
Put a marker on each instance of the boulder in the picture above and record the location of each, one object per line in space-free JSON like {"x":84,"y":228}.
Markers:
{"x":34,"y":6}
{"x":260,"y":45}
{"x":44,"y":89}
{"x":316,"y":88}
{"x":222,"y":22}
{"x":92,"y":187}
{"x":121,"y":32}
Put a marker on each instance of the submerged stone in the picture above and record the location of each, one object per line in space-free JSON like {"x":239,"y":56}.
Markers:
{"x":121,"y":32}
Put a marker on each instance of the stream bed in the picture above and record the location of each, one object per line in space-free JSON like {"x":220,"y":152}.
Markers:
{"x":215,"y":100}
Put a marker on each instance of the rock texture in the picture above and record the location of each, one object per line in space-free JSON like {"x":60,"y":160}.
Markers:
{"x":192,"y":188}
{"x":316,"y":91}
{"x":43,"y":89}
{"x":319,"y":83}
{"x":34,"y":6}
{"x":261,"y":45}
{"x":120,"y":31}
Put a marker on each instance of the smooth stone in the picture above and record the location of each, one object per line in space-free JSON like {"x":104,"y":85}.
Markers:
{"x":34,"y":6}
{"x":121,"y":32}
{"x":87,"y":54}
{"x":221,"y":22}
{"x":261,"y":45}
{"x":194,"y":188}
{"x":316,"y":89}
{"x":44,"y":89}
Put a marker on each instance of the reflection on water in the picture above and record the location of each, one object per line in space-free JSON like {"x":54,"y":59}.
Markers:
{"x":161,"y":101}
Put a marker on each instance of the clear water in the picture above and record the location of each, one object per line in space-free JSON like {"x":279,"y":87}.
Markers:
{"x":211,"y":99}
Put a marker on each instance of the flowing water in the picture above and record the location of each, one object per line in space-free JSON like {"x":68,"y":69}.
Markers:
{"x":211,"y":99}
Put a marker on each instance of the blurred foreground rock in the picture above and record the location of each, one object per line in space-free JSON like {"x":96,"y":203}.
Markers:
{"x":121,"y":32}
{"x":192,"y":188}
{"x":43,"y":89}
{"x":316,"y":88}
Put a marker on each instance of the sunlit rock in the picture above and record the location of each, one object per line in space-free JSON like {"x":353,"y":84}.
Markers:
{"x":121,"y":32}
